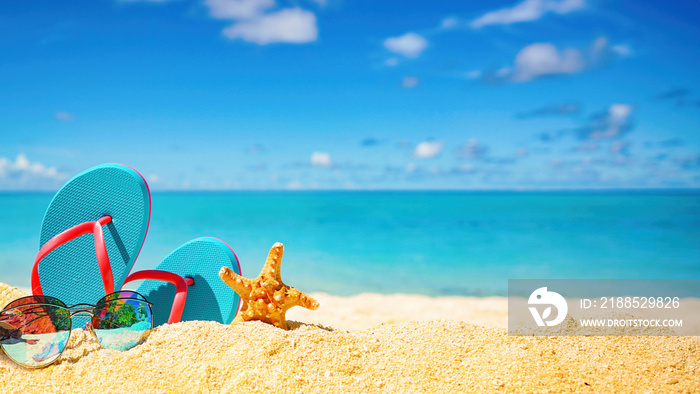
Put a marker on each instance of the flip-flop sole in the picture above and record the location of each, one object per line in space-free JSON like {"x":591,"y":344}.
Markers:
{"x":71,"y":272}
{"x":209,"y":298}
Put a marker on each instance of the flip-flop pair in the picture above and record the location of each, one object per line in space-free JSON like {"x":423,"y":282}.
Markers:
{"x":92,"y":234}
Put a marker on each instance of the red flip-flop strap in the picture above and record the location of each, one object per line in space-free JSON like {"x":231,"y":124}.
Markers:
{"x":68,"y":235}
{"x":165,"y":276}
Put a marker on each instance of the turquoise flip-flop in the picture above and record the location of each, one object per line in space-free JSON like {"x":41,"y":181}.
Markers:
{"x":92,"y":233}
{"x":208,"y":297}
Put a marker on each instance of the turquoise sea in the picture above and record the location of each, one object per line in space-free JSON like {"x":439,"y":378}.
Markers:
{"x":433,"y":243}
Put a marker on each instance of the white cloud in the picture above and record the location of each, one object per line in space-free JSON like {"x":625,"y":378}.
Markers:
{"x":153,"y":178}
{"x":321,"y":159}
{"x":408,"y":45}
{"x":615,"y":121}
{"x":392,"y":61}
{"x":600,"y":44}
{"x":427,"y":149}
{"x":542,"y":59}
{"x":409,"y":82}
{"x":504,"y":72}
{"x":622,"y":49}
{"x":448,"y":23}
{"x":528,"y":10}
{"x":238,"y":9}
{"x":23,"y":173}
{"x":64,"y":116}
{"x":608,"y":124}
{"x":22,"y":163}
{"x":602,"y":51}
{"x":620,"y":112}
{"x":292,"y":25}
{"x":474,"y":74}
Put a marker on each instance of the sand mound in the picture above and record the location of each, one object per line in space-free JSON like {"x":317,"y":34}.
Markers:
{"x":434,"y":356}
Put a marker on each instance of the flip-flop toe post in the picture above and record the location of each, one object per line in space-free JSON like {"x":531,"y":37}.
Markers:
{"x":208,"y":298}
{"x":92,"y":233}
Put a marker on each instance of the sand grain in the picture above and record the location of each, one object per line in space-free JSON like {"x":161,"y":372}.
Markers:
{"x":433,"y":356}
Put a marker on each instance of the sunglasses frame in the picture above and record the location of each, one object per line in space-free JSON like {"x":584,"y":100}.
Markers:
{"x":81,"y":309}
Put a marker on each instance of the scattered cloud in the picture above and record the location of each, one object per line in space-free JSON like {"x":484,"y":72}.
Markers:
{"x":544,"y":59}
{"x":526,"y":11}
{"x":292,"y":25}
{"x":154,"y":178}
{"x":409,"y":82}
{"x":566,"y":109}
{"x":391,"y":62}
{"x":603,"y":52}
{"x":428,"y":149}
{"x":64,"y":116}
{"x":238,"y":9}
{"x":608,"y":124}
{"x":622,"y":49}
{"x":253,"y":22}
{"x":449,"y":23}
{"x":408,"y":45}
{"x":472,"y":149}
{"x":23,"y":173}
{"x":321,"y":159}
{"x":474,"y":74}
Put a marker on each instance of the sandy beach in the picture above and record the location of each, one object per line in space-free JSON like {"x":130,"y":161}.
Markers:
{"x":369,"y":343}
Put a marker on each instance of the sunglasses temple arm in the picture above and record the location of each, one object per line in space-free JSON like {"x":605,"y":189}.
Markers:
{"x":180,"y":289}
{"x":68,"y":235}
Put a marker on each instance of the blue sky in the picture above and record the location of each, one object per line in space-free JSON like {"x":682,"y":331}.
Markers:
{"x":339,"y":94}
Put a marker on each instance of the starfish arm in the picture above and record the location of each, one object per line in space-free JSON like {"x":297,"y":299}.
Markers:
{"x":238,"y":283}
{"x":296,"y":297}
{"x":274,"y":262}
{"x":266,"y":298}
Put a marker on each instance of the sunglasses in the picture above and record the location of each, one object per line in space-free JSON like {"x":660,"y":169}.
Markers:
{"x":34,"y":330}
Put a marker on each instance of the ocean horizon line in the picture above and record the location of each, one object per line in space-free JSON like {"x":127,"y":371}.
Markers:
{"x":515,"y":191}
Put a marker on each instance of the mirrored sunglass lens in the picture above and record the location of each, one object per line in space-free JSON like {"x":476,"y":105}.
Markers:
{"x":35,"y":335}
{"x":121,"y":323}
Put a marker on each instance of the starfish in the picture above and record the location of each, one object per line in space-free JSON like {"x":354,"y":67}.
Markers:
{"x":266,"y":298}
